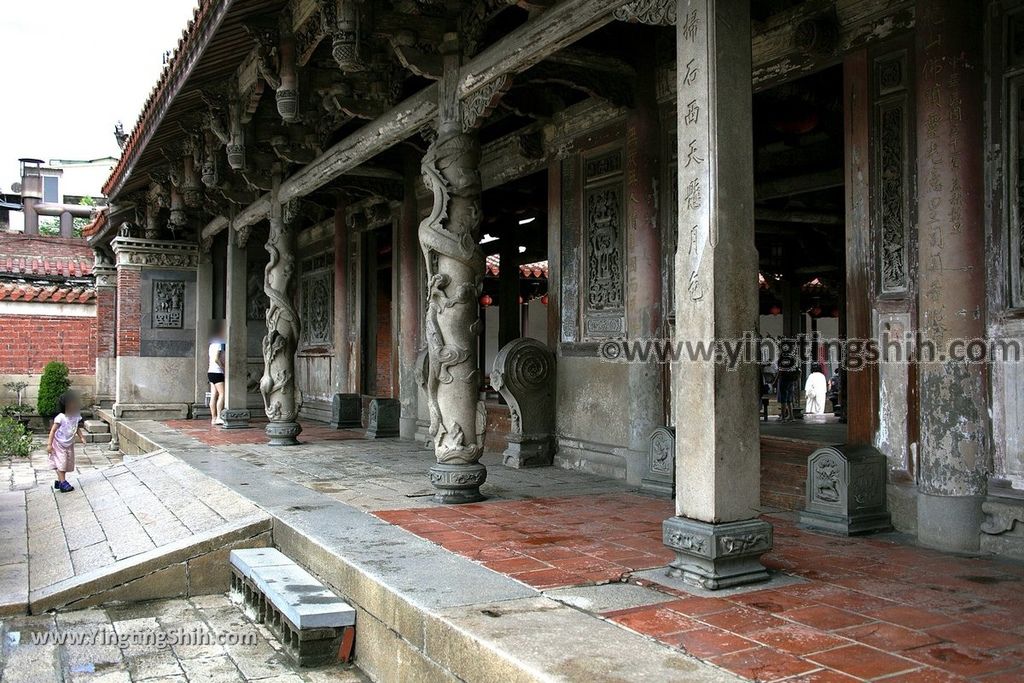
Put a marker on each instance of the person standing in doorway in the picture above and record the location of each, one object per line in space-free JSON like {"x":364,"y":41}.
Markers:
{"x":815,"y":389}
{"x":215,"y":373}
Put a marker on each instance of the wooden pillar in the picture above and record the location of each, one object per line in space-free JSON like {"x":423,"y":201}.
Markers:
{"x":407,"y":301}
{"x":342,"y":365}
{"x":954,"y":424}
{"x":716,"y":534}
{"x":236,"y":360}
{"x":861,"y":400}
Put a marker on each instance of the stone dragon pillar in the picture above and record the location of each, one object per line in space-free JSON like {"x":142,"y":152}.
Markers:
{"x":281,"y":396}
{"x":449,"y":238}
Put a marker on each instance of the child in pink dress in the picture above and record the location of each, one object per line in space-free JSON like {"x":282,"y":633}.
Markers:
{"x":61,"y":443}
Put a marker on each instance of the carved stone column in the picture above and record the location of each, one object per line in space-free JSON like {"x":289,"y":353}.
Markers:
{"x":716,"y":534}
{"x":281,"y":396}
{"x":449,"y":238}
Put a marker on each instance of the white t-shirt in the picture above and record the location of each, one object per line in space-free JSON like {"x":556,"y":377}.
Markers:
{"x":67,"y":426}
{"x":216,"y":347}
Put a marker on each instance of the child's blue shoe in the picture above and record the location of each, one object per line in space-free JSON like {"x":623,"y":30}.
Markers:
{"x":66,"y":487}
{"x":56,"y":483}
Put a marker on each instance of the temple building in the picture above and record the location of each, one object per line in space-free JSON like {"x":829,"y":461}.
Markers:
{"x":447,"y":222}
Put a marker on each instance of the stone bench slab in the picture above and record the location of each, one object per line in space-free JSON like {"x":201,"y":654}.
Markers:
{"x":246,"y":560}
{"x":96,"y":427}
{"x":301,"y":598}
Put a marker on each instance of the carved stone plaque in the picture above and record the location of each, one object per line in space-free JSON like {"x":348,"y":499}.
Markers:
{"x":168,"y":304}
{"x":604,"y":214}
{"x":317,"y":308}
{"x":661,"y":462}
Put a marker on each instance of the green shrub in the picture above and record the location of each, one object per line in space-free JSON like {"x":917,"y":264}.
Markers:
{"x":53,"y":384}
{"x":14,"y":438}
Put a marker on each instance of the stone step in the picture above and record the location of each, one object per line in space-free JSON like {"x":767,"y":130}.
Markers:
{"x":316,"y":626}
{"x":96,"y":427}
{"x":97,"y":438}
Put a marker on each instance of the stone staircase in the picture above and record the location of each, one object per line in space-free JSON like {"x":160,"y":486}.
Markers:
{"x":96,"y":431}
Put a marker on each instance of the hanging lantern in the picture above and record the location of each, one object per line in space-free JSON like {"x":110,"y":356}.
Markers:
{"x":520,"y":299}
{"x":816,"y":311}
{"x":835,"y":312}
{"x":544,"y":299}
{"x":775,"y":310}
{"x":486,"y":300}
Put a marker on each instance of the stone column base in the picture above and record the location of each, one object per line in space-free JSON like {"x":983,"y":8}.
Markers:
{"x":525,"y":451}
{"x":283,"y":433}
{"x":713,"y":556}
{"x":235,"y":419}
{"x":951,"y":523}
{"x":346,"y":411}
{"x":457,"y":483}
{"x":382,"y":418}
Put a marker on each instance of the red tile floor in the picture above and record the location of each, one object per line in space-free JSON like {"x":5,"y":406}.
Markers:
{"x":870,"y":608}
{"x":201,"y":431}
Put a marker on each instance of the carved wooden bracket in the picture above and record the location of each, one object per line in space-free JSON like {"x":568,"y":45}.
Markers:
{"x":653,"y":12}
{"x":482,"y":102}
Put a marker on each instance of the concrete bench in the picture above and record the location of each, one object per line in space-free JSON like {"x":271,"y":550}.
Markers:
{"x":315,"y":625}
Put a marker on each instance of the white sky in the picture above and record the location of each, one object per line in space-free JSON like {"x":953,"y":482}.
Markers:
{"x":71,"y":69}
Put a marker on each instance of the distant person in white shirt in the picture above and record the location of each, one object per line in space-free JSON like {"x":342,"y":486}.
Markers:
{"x":816,"y":387}
{"x":215,"y":372}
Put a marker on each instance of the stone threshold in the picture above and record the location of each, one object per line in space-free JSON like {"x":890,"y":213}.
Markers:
{"x":424,"y":613}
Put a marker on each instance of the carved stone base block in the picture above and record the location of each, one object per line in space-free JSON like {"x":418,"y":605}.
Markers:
{"x":382,"y":418}
{"x":346,"y":411}
{"x":235,"y":419}
{"x":529,"y":451}
{"x":714,"y":556}
{"x":201,"y":411}
{"x":457,"y":482}
{"x":661,"y":463}
{"x":283,"y":433}
{"x":1002,"y":532}
{"x":846,"y":490}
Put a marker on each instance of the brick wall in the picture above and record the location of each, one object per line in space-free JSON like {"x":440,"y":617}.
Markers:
{"x":129,"y":311}
{"x":106,"y":321}
{"x":29,"y":342}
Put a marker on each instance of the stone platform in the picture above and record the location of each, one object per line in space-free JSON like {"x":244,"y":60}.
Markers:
{"x":557,"y":576}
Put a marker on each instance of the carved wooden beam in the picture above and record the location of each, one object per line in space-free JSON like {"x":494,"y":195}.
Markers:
{"x":653,"y":12}
{"x":523,"y":47}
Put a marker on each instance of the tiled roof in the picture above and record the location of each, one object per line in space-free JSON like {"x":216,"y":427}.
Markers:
{"x":98,"y":222}
{"x":45,"y":266}
{"x":55,"y":294}
{"x":38,"y":257}
{"x":177,"y":65}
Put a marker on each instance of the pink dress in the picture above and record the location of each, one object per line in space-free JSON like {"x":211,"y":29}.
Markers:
{"x":63,"y":457}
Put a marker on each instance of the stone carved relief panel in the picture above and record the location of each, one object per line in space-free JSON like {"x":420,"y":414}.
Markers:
{"x":604,"y":246}
{"x":317,"y":293}
{"x":892,"y":173}
{"x":168,"y":304}
{"x":893,"y":388}
{"x":1015,"y":195}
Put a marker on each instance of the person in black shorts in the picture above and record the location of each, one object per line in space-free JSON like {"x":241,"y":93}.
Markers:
{"x":215,"y":373}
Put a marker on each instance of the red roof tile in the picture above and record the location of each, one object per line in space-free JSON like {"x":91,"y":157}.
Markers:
{"x":36,"y":256}
{"x":57,"y":294}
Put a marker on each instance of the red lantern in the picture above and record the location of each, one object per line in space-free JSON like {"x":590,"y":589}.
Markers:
{"x":775,"y":310}
{"x":544,"y":299}
{"x":835,"y":312}
{"x":816,"y":311}
{"x":520,"y":300}
{"x":486,"y":300}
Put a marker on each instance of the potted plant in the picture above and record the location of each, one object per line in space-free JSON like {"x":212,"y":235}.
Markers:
{"x":52,"y":385}
{"x":19,"y":411}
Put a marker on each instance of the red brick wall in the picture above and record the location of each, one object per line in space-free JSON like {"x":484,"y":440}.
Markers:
{"x":129,"y":311}
{"x":29,"y":342}
{"x":106,"y":321}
